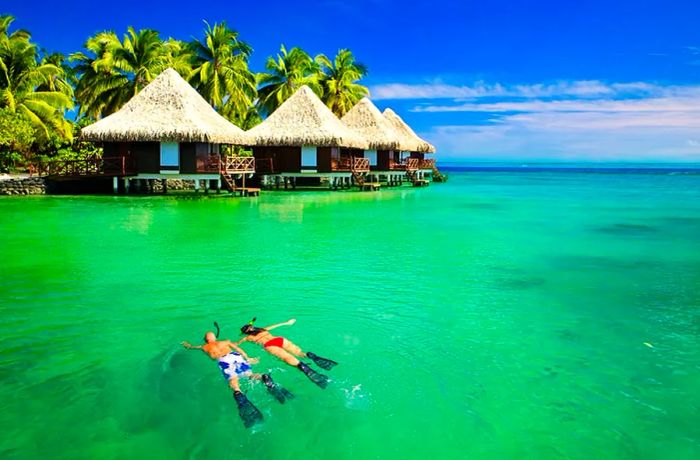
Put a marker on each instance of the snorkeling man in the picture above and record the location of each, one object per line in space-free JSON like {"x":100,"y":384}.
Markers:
{"x":235,"y":364}
{"x":286,"y":350}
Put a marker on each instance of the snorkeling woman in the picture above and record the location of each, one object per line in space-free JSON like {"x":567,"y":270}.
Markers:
{"x":287,"y":351}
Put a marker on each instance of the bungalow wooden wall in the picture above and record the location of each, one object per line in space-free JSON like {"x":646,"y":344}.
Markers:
{"x":383,"y":159}
{"x":284,"y":159}
{"x":324,"y":155}
{"x":188,"y":158}
{"x":146,"y":156}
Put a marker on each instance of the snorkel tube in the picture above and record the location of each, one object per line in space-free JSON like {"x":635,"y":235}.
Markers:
{"x":218,"y":330}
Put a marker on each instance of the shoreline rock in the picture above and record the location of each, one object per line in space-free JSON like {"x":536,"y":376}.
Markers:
{"x":22,"y":185}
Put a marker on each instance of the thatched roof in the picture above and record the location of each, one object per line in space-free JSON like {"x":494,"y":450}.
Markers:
{"x":409,"y":141}
{"x":304,"y":120}
{"x":366,"y":120}
{"x":167,"y":110}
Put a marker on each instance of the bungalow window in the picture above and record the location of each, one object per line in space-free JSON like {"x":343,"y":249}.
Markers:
{"x":169,"y":157}
{"x":309,"y":159}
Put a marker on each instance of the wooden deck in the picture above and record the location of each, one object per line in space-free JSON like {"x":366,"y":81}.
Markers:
{"x":421,"y":183}
{"x":370,"y":186}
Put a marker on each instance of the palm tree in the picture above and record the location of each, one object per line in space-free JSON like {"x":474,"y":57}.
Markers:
{"x":112,"y":71}
{"x":220,"y":71}
{"x":291,"y":70}
{"x":63,"y":83}
{"x":30,"y":87}
{"x":339,"y":81}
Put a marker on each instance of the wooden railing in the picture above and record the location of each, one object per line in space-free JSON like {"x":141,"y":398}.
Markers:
{"x":264,"y":166}
{"x":341,"y":164}
{"x":238,"y":164}
{"x":427,"y":164}
{"x":413,"y":164}
{"x":95,"y":166}
{"x":360,"y":164}
{"x":354,"y":164}
{"x":396,"y":165}
{"x":208,"y":163}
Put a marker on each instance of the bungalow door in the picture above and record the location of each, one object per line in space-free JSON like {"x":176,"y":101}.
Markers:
{"x":169,"y":158}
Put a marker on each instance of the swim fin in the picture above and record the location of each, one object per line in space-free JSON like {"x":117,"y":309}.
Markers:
{"x":319,"y":379}
{"x":323,"y":363}
{"x":248,"y":412}
{"x":279,"y":393}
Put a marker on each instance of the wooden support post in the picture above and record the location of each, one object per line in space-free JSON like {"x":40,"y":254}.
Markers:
{"x":206,"y":186}
{"x":126,"y":185}
{"x":196,"y":185}
{"x":165,"y":185}
{"x":218,"y":185}
{"x":115,"y":185}
{"x":294,"y":183}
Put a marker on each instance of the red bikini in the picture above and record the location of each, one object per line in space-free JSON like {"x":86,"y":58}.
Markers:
{"x":276,"y":342}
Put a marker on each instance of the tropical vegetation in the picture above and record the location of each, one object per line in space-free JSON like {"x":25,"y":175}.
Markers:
{"x":46,"y":97}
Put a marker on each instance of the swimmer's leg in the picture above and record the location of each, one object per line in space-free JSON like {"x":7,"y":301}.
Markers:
{"x":279,"y":393}
{"x":319,"y":379}
{"x":246,"y":410}
{"x":294,"y":349}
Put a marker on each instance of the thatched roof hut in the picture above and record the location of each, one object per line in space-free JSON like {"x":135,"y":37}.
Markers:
{"x":167,"y":110}
{"x":409,"y":141}
{"x":366,"y":120}
{"x":303,"y":120}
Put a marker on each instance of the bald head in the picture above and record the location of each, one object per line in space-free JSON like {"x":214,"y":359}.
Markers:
{"x":209,"y":337}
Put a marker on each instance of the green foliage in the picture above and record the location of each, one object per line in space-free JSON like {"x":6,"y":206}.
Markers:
{"x":112,"y":71}
{"x":285,"y":75}
{"x":16,"y":139}
{"x":339,"y":79}
{"x":32,"y":86}
{"x":220,"y":71}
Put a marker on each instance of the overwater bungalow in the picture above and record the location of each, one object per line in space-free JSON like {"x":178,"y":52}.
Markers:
{"x":383,"y":141}
{"x":168,"y":131}
{"x":303,"y":140}
{"x":413,"y":148}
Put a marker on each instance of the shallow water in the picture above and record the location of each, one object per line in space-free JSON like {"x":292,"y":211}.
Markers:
{"x":502,"y":315}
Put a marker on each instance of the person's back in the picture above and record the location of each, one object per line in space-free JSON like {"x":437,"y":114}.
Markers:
{"x":217,"y":349}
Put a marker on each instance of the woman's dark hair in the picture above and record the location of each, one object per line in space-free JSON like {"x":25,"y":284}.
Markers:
{"x":249,"y":329}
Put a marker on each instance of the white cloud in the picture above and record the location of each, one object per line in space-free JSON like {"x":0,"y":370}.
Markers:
{"x":579,"y":89}
{"x":568,"y":120}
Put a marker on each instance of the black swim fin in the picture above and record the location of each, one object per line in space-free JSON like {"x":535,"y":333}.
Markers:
{"x":319,"y":379}
{"x":248,"y":412}
{"x":323,"y":363}
{"x":279,"y":393}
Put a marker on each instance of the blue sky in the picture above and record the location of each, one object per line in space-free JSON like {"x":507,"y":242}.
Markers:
{"x":585,"y":80}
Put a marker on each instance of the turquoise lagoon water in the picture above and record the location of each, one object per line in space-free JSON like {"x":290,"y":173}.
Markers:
{"x":507,"y":315}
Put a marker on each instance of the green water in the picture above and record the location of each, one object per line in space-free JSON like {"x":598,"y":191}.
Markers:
{"x":498,"y":316}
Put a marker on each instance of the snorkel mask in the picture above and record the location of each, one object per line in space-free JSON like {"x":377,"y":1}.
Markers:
{"x":249,"y":328}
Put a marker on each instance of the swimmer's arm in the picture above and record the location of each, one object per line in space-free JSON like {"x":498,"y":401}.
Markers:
{"x":286,"y":323}
{"x":240,"y":351}
{"x":191,"y":347}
